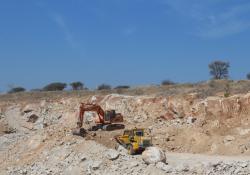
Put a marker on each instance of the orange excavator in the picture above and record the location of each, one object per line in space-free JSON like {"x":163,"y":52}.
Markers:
{"x":107,"y":120}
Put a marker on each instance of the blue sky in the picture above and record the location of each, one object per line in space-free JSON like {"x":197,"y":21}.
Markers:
{"x":132,"y":42}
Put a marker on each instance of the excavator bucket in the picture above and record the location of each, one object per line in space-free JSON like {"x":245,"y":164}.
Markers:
{"x":79,"y":132}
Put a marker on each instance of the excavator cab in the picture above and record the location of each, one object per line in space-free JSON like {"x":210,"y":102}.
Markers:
{"x":109,"y":115}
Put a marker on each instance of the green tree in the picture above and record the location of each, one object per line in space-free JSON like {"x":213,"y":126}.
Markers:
{"x":122,"y":87}
{"x":77,"y":85}
{"x":57,"y":86}
{"x":104,"y":87}
{"x":16,"y":89}
{"x":167,"y":82}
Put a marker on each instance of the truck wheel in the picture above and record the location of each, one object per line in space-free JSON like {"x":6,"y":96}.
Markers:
{"x":131,"y":150}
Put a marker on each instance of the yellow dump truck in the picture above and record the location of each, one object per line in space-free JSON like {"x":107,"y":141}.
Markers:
{"x":134,"y":140}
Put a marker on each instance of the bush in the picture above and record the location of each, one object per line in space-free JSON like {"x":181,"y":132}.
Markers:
{"x":55,"y":87}
{"x":167,"y":82}
{"x":122,"y":87}
{"x":104,"y":87}
{"x":77,"y":85}
{"x":17,"y":89}
{"x":248,"y":76}
{"x":219,"y":69}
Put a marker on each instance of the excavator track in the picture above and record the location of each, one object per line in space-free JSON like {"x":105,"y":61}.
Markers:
{"x":112,"y":127}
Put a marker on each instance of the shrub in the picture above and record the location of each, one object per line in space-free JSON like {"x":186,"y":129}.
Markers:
{"x":104,"y":87}
{"x":77,"y":85}
{"x":55,"y":86}
{"x":219,"y":69}
{"x":122,"y":87}
{"x":16,"y":89}
{"x":248,"y":76}
{"x":167,"y":82}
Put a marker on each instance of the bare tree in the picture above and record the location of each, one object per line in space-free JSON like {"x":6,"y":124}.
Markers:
{"x":219,"y":69}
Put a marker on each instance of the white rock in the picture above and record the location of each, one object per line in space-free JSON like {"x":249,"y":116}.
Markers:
{"x":153,"y":155}
{"x":96,"y":165}
{"x":191,"y":120}
{"x":82,"y":157}
{"x":111,"y":154}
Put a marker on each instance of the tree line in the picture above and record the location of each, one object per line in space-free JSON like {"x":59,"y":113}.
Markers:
{"x":217,"y":69}
{"x":59,"y":86}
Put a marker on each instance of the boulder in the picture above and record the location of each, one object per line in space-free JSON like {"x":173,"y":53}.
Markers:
{"x":153,"y":155}
{"x":112,"y":154}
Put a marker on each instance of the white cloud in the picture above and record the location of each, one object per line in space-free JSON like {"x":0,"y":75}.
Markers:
{"x":59,"y":20}
{"x":213,"y":18}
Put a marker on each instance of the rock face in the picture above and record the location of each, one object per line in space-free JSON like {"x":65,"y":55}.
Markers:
{"x":153,"y":155}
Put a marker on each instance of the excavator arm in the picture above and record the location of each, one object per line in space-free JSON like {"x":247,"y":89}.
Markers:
{"x":90,"y":108}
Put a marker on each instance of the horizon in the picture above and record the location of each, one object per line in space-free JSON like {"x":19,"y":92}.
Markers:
{"x":114,"y":42}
